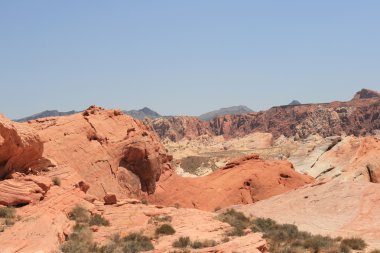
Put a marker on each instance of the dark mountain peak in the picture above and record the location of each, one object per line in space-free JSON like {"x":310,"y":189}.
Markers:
{"x":295,"y":102}
{"x":44,"y":114}
{"x":239,"y":109}
{"x":149,"y":111}
{"x":366,"y":94}
{"x":143,"y":113}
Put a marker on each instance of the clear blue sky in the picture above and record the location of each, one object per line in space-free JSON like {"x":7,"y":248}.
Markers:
{"x":184,"y":57}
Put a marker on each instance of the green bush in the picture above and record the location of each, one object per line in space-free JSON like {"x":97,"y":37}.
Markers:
{"x":165,"y":229}
{"x":182,"y":242}
{"x":98,"y":220}
{"x":355,"y":243}
{"x":203,"y":244}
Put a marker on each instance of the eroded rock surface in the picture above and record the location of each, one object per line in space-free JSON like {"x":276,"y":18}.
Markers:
{"x":243,"y":181}
{"x":105,"y":149}
{"x":347,"y":209}
{"x":20,"y":147}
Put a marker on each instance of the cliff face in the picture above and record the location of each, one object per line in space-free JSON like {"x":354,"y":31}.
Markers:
{"x":359,"y":117}
{"x":178,"y":127}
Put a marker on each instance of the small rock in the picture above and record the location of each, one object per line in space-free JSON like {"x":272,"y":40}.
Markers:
{"x":110,"y":199}
{"x":83,"y":186}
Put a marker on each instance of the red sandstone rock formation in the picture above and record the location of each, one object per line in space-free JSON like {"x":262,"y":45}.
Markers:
{"x":104,"y":147}
{"x":176,"y":128}
{"x":241,"y":182}
{"x":20,"y":147}
{"x":359,"y":117}
{"x":23,"y":190}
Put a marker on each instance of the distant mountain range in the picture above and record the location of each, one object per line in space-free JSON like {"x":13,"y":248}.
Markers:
{"x":233,"y":110}
{"x":144,"y":113}
{"x":138,"y":114}
{"x":44,"y":114}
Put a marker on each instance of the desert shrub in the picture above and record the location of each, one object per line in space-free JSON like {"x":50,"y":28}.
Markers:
{"x":80,"y":215}
{"x":79,"y":241}
{"x":98,"y":220}
{"x":235,"y":219}
{"x":132,"y":243}
{"x":136,"y":242}
{"x":164,"y":218}
{"x":282,"y":232}
{"x":236,"y":231}
{"x":225,"y":239}
{"x":317,"y":243}
{"x":263,"y":225}
{"x":343,"y":248}
{"x":339,"y":249}
{"x":287,"y":249}
{"x":10,"y":221}
{"x":182,"y":242}
{"x":375,"y":251}
{"x":355,"y":243}
{"x":144,"y":201}
{"x":203,"y":244}
{"x":7,"y":212}
{"x":9,"y":216}
{"x":180,"y":251}
{"x":56,"y":181}
{"x":165,"y":229}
